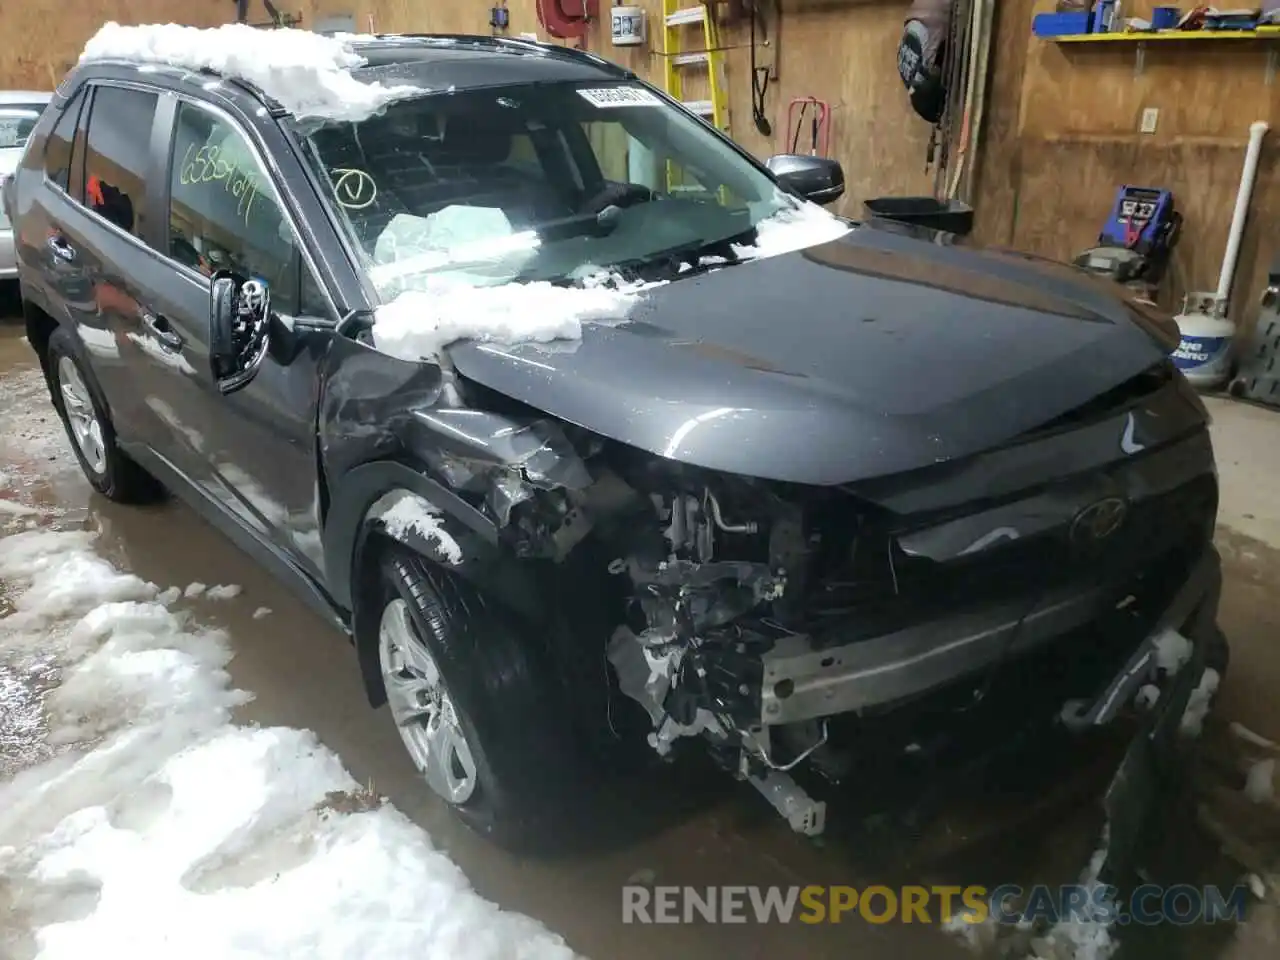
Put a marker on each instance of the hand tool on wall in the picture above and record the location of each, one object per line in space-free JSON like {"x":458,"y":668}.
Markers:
{"x":819,"y":125}
{"x":760,"y":76}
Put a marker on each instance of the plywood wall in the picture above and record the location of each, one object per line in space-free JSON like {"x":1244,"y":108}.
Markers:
{"x":419,"y":16}
{"x":1078,"y":117}
{"x":41,"y":39}
{"x":841,"y":51}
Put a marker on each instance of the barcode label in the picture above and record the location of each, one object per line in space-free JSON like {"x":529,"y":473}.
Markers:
{"x":619,"y":97}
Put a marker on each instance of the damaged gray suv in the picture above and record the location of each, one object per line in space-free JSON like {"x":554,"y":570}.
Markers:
{"x":590,"y":430}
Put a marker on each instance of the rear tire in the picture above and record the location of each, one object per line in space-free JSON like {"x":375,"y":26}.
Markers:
{"x":93,"y":439}
{"x":508,"y":767}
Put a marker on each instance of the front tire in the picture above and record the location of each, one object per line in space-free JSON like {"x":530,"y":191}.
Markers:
{"x":107,"y":468}
{"x":472,"y":705}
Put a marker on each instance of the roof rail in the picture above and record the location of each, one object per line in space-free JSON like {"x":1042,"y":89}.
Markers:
{"x":514,"y":44}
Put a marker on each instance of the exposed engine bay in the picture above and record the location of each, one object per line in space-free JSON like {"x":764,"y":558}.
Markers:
{"x":760,"y":617}
{"x":707,"y":575}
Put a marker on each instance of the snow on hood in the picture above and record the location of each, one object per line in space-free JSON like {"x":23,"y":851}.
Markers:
{"x":797,"y":225}
{"x":419,"y":323}
{"x":306,"y":73}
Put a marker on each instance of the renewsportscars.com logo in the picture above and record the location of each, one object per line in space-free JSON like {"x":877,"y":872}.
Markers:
{"x":1147,"y":905}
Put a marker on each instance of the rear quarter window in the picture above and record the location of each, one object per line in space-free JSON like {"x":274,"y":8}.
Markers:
{"x":57,"y":149}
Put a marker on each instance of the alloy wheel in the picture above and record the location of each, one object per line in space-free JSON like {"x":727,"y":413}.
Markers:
{"x":422,"y":708}
{"x":86,"y":428}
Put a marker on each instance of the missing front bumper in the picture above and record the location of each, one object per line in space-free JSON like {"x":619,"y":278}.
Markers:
{"x":1152,"y":756}
{"x":1151,"y":764}
{"x":802,"y":683}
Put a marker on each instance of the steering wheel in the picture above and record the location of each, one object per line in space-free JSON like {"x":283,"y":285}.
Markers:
{"x":617,"y":195}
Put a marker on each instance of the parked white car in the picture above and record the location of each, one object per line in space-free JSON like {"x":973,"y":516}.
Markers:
{"x":19,"y":111}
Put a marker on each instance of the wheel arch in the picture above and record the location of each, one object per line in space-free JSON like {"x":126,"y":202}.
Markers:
{"x":356,"y":536}
{"x":41,"y":326}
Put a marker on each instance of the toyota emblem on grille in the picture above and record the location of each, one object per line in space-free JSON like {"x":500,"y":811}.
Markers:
{"x":1099,"y":520}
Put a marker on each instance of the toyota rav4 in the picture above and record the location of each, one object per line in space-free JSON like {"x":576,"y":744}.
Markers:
{"x":590,"y":429}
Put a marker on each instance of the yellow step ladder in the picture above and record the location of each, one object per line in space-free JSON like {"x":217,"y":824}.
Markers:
{"x":675,"y":59}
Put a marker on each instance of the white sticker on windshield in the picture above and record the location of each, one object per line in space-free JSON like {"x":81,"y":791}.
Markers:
{"x":620,"y":97}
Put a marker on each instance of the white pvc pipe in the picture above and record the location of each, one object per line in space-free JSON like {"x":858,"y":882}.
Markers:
{"x":1256,"y":132}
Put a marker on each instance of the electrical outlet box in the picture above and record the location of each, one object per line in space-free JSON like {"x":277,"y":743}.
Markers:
{"x":1150,"y":117}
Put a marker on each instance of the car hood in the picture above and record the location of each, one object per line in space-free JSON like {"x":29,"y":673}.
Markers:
{"x":884,"y":351}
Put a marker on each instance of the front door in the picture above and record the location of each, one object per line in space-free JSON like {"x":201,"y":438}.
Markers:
{"x":253,"y":451}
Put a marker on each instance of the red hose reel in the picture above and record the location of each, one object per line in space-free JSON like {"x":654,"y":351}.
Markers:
{"x":567,"y":19}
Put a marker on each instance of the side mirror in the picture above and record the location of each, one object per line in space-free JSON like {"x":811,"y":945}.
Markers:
{"x":239,"y":318}
{"x":815,"y":178}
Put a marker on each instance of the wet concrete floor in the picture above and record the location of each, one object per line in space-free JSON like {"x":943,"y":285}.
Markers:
{"x":681,"y":827}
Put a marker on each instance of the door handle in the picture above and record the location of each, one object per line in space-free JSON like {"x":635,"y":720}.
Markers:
{"x":159,"y":328}
{"x":61,"y":248}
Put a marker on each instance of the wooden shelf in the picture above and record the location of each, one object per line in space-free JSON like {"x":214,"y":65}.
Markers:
{"x":1169,"y":36}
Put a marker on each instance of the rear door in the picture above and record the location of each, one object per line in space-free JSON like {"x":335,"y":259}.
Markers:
{"x":96,"y":256}
{"x":53,"y":268}
{"x":253,"y":451}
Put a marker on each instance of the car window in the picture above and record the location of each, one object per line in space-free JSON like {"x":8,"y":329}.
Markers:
{"x":533,"y":182}
{"x":16,"y":123}
{"x":624,"y":159}
{"x":57,"y":151}
{"x":311,"y":299}
{"x":224,"y":213}
{"x":116,"y":156}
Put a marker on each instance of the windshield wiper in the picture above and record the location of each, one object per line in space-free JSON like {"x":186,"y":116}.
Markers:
{"x":696,"y":256}
{"x":579,"y":224}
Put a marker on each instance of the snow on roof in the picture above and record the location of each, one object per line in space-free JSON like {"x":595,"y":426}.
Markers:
{"x":418,"y":324}
{"x":306,"y":73}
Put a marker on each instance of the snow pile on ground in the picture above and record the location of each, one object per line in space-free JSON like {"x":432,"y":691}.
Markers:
{"x":977,"y":935}
{"x":1259,"y":785}
{"x":1086,"y":937}
{"x":418,"y":324}
{"x":1199,"y":704}
{"x":1172,"y":650}
{"x":14,"y":509}
{"x":156,"y":828}
{"x":1082,"y":935}
{"x":306,"y":73}
{"x":798,"y":225}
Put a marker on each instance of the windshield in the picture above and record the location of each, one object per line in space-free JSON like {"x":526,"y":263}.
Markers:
{"x":16,"y":124}
{"x":538,"y":182}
